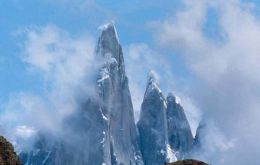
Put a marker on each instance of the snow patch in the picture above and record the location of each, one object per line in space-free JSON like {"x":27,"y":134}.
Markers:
{"x":107,"y":26}
{"x":170,"y":154}
{"x":178,"y":99}
{"x":162,"y":151}
{"x":172,"y":97}
{"x":105,"y":118}
{"x":46,"y":158}
{"x":104,"y":75}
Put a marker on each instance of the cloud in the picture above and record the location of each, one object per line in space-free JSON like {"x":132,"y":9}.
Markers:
{"x":24,"y":131}
{"x":215,"y":144}
{"x":192,"y":112}
{"x":67,"y":66}
{"x":63,"y":60}
{"x":225,"y":65}
{"x":140,"y":60}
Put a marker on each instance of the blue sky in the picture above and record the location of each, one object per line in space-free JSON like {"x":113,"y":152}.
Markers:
{"x":206,"y":51}
{"x":77,"y":17}
{"x":131,"y":19}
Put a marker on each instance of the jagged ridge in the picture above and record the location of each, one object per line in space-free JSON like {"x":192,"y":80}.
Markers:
{"x":106,"y":121}
{"x":165,"y":134}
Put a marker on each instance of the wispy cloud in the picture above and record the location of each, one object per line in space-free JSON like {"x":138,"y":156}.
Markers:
{"x":140,"y":60}
{"x":226,"y":66}
{"x":67,"y":65}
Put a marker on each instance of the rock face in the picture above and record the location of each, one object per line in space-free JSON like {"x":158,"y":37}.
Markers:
{"x":179,"y":132}
{"x":7,"y":154}
{"x":103,"y":131}
{"x":199,"y":136}
{"x":163,"y":127}
{"x":153,"y":125}
{"x":187,"y":162}
{"x":116,"y":100}
{"x":200,"y":143}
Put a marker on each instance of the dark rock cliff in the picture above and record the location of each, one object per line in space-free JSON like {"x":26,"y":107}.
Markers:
{"x":187,"y":162}
{"x":7,"y":154}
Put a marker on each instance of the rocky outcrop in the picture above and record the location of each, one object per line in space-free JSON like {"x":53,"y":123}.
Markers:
{"x":187,"y":162}
{"x":7,"y":154}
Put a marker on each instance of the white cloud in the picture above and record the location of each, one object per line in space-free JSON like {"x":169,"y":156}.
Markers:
{"x":226,"y":66}
{"x":67,"y":65}
{"x":140,"y":60}
{"x":193,"y":113}
{"x":24,"y":131}
{"x":65,"y":62}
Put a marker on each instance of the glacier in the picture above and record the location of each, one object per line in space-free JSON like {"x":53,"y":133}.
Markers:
{"x":103,"y":131}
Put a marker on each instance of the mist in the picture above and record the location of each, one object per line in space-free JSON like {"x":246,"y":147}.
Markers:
{"x":67,"y":66}
{"x":219,"y":42}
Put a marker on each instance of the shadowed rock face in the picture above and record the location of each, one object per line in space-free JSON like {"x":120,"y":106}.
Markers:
{"x":7,"y":154}
{"x":187,"y":162}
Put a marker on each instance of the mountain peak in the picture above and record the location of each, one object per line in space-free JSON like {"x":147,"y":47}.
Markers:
{"x":109,"y":30}
{"x":107,"y":26}
{"x":153,"y":77}
{"x":108,"y":46}
{"x":153,"y":84}
{"x":171,"y":97}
